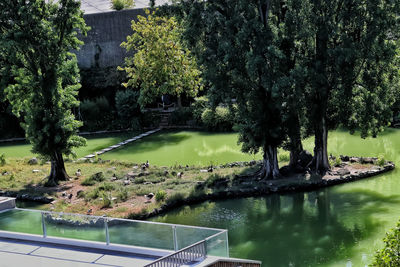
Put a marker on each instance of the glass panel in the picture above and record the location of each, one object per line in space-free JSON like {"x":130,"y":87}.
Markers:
{"x":141,"y":234}
{"x":218,"y":245}
{"x":28,"y":222}
{"x":187,"y":236}
{"x":75,"y":226}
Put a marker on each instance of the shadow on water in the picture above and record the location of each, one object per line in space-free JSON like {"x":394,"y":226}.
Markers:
{"x":301,"y":229}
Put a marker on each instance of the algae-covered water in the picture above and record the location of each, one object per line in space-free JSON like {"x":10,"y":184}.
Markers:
{"x":338,"y":226}
{"x":181,"y":148}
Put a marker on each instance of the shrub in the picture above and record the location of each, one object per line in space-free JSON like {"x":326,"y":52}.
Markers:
{"x":221,"y":119}
{"x":139,"y":180}
{"x":181,"y":116}
{"x":2,"y":160}
{"x":97,"y":177}
{"x":389,"y":255}
{"x":175,"y":198}
{"x":128,"y":108}
{"x":122,"y":195}
{"x":161,"y":195}
{"x":215,"y":180}
{"x":96,"y":114}
{"x":381,"y":161}
{"x":121,"y":4}
{"x":106,"y":187}
{"x":106,"y":199}
{"x":198,"y":107}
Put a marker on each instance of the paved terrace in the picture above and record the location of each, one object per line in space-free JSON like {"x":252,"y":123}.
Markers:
{"x":100,"y":6}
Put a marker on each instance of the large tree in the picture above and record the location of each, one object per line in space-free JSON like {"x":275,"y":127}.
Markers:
{"x":161,"y":63}
{"x":280,"y":58}
{"x":40,"y":75}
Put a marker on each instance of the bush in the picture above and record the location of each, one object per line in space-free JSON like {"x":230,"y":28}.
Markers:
{"x":161,"y":195}
{"x":2,"y":159}
{"x":122,"y":195}
{"x":175,"y":198}
{"x":97,"y":177}
{"x":121,"y":4}
{"x":181,"y":116}
{"x":389,"y":255}
{"x":128,"y":109}
{"x":219,"y":120}
{"x":380,"y":161}
{"x":106,"y":199}
{"x":96,"y":114}
{"x":198,"y":107}
{"x":215,"y":180}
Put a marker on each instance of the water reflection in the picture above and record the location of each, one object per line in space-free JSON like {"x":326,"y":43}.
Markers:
{"x":302,"y":229}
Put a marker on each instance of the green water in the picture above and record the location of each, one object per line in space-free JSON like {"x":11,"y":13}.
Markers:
{"x":184,"y":147}
{"x":338,"y":226}
{"x":22,"y":149}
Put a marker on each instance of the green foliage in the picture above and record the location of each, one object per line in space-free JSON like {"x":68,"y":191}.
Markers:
{"x":161,"y":64}
{"x":96,"y":113}
{"x":214,"y":180}
{"x":97,"y":177}
{"x":121,"y":4}
{"x":220,"y":119}
{"x":181,"y":116}
{"x":106,"y":199}
{"x":381,"y":161}
{"x":2,"y":159}
{"x":336,"y":162}
{"x":128,"y":108}
{"x":122,"y":195}
{"x":161,"y":195}
{"x":198,"y":107}
{"x":175,"y":198}
{"x":40,"y":74}
{"x":284,"y":157}
{"x":389,"y":255}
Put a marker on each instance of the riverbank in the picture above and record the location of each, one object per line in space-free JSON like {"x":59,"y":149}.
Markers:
{"x":140,"y":191}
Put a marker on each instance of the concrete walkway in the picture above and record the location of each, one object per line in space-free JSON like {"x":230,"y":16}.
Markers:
{"x":32,"y":254}
{"x":140,"y":136}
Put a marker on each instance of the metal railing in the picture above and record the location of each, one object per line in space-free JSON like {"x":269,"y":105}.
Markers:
{"x":146,"y":234}
{"x":192,"y":253}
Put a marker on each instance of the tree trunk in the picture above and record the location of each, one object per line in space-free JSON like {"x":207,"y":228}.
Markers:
{"x":296,"y":147}
{"x":57,"y":172}
{"x":321,"y":160}
{"x":179,"y":102}
{"x":270,"y":169}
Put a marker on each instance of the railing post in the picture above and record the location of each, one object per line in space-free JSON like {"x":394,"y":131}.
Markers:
{"x":227,"y":243}
{"x":175,"y":238}
{"x":107,"y":233}
{"x":44,"y":226}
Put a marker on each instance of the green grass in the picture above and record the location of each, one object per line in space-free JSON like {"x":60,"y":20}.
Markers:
{"x":22,"y":149}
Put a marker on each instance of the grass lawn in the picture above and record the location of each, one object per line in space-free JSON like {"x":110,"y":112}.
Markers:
{"x":94,"y":143}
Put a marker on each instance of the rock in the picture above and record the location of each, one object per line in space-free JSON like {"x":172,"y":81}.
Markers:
{"x":367,"y":160}
{"x":305,"y":158}
{"x":35,"y":171}
{"x":79,"y":193}
{"x":33,"y":161}
{"x":127,"y":182}
{"x":147,"y":202}
{"x":354,"y":159}
{"x":344,"y":158}
{"x":342,"y":172}
{"x":203,"y":170}
{"x":143,"y":174}
{"x":146,"y":183}
{"x":135,"y":167}
{"x":132,"y":174}
{"x":253,"y":162}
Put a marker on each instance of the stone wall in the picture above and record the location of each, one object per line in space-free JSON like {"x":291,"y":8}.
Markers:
{"x":99,"y":57}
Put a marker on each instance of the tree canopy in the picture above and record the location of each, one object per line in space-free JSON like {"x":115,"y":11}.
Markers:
{"x":161,"y":63}
{"x":40,"y":76}
{"x":297,"y":66}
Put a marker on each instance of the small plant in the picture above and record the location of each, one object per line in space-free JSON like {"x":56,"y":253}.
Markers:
{"x":161,"y":195}
{"x":2,"y":159}
{"x":122,"y":195}
{"x":121,"y":4}
{"x":338,"y":162}
{"x":381,"y":161}
{"x":97,"y":177}
{"x":139,"y":180}
{"x":175,"y":198}
{"x":106,"y":199}
{"x":389,"y":255}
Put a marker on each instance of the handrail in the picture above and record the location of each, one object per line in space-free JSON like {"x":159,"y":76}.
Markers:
{"x":188,"y":254}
